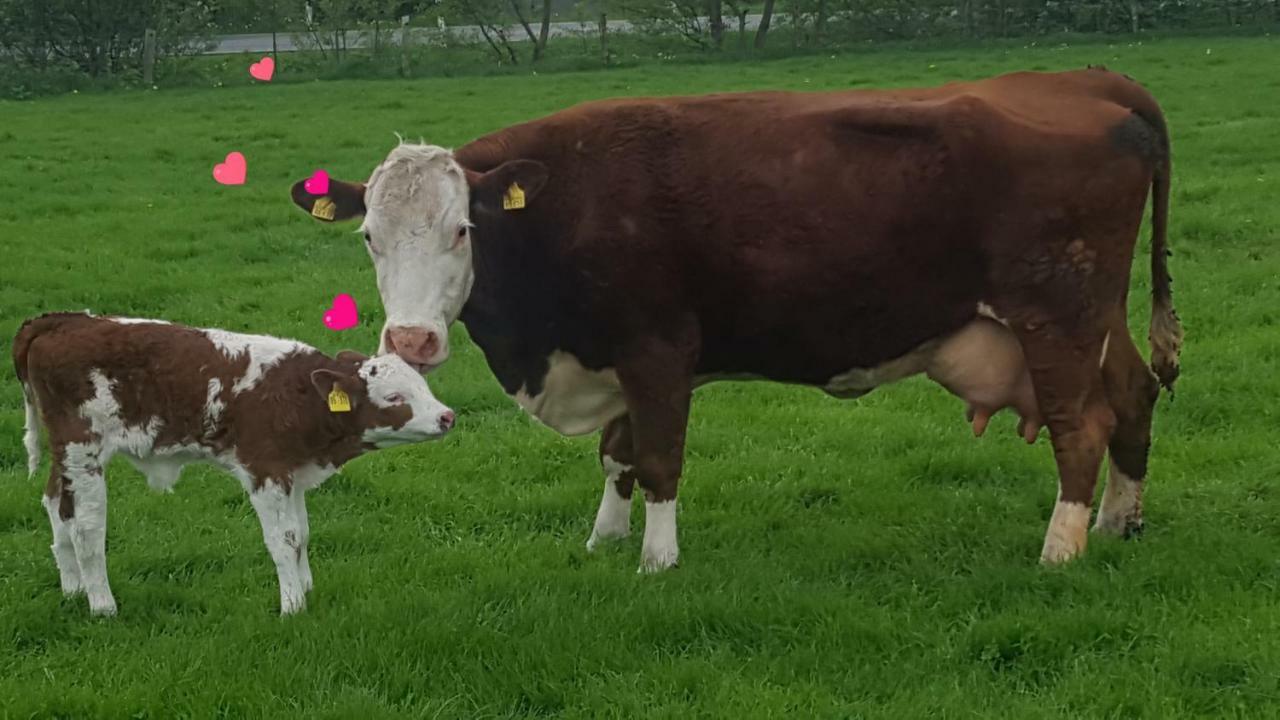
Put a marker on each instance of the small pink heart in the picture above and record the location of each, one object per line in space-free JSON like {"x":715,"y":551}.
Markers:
{"x":263,"y":69}
{"x":231,"y":171}
{"x":342,"y":314}
{"x":318,"y":183}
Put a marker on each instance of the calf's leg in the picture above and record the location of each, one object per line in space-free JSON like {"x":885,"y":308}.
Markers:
{"x":83,"y":476}
{"x":1132,"y":391}
{"x":304,"y":566}
{"x":1064,"y":365}
{"x":613,"y":519}
{"x":282,"y":532}
{"x":57,"y":497}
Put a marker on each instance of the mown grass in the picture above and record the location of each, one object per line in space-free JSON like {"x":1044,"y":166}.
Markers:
{"x":865,"y":559}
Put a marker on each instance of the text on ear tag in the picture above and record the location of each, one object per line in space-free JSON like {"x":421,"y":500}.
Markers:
{"x":338,"y":401}
{"x":514,"y":198}
{"x":324,"y":209}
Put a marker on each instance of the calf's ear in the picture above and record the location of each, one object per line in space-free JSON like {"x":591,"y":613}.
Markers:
{"x":351,"y":356}
{"x":512,"y":186}
{"x":327,"y":382}
{"x":343,"y":200}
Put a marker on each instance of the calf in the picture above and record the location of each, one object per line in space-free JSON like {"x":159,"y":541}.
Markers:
{"x":277,"y":414}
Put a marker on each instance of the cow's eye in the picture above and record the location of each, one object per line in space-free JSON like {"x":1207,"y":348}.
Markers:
{"x":395,"y":399}
{"x":367,"y":239}
{"x":462,"y":231}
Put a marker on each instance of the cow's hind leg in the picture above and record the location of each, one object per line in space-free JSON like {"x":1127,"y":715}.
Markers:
{"x":58,"y":504}
{"x":1132,"y":391}
{"x":83,"y":465}
{"x":1065,"y":371}
{"x":613,"y":519}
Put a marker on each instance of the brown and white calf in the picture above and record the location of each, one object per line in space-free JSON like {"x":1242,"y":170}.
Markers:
{"x":277,"y":414}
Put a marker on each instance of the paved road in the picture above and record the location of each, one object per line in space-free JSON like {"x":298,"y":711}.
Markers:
{"x":257,"y":43}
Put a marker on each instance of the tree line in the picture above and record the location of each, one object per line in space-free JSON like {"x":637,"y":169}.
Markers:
{"x":98,"y":38}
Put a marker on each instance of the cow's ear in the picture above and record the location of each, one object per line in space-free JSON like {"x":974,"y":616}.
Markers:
{"x":343,"y":201}
{"x":511,"y":186}
{"x":339,"y":390}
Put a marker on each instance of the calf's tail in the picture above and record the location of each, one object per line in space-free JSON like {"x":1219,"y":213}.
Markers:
{"x":31,"y":434}
{"x":1165,"y":333}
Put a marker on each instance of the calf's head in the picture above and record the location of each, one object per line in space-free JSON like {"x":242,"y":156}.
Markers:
{"x":385,"y":400}
{"x":418,"y":207}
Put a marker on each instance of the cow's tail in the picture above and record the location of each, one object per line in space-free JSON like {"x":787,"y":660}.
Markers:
{"x":27,"y":334}
{"x":31,"y":433}
{"x":1166,"y":330}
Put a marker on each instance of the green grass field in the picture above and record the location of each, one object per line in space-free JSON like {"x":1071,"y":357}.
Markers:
{"x":840,"y":559}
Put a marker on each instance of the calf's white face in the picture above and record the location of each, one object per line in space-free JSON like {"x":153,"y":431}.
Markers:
{"x":416,"y":229}
{"x":394,"y":388}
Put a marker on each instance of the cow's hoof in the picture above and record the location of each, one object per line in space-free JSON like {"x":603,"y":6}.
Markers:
{"x":600,"y":536}
{"x":71,"y":587}
{"x":1123,"y":527}
{"x":651,"y":563}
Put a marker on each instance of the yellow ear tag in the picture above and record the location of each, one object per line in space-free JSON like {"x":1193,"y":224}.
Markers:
{"x":338,"y":401}
{"x":514,"y":198}
{"x":324,"y":209}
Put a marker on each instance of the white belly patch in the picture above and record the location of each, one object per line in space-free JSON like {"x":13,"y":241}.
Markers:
{"x":574,"y":400}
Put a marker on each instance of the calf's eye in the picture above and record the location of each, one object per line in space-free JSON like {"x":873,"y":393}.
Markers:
{"x":395,"y":399}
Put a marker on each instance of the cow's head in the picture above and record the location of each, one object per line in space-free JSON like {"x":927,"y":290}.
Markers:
{"x":386,"y":401}
{"x":417,"y":209}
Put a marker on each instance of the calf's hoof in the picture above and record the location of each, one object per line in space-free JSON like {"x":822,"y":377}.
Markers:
{"x":102,"y":607}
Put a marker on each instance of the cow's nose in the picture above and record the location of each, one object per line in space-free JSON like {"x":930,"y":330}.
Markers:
{"x":446,"y":420}
{"x":416,"y":345}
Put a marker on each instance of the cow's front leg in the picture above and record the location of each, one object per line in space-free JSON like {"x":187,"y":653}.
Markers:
{"x":304,"y":539}
{"x":282,"y":532}
{"x":613,"y":519}
{"x":657,"y":380}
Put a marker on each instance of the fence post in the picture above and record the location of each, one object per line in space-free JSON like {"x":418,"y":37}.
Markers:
{"x":148,"y":56}
{"x":404,"y":46}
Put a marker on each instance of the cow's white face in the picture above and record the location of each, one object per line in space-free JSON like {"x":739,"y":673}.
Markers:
{"x":416,"y":228}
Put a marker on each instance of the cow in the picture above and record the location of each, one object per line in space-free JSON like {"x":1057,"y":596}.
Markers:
{"x":278,"y":415}
{"x":610,"y":258}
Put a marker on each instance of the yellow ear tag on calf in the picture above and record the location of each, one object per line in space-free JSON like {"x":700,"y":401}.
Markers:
{"x":324,"y":209}
{"x":338,"y":401}
{"x":514,"y":198}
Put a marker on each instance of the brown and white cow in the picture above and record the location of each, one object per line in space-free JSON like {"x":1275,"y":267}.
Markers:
{"x":611,"y":257}
{"x":277,"y":414}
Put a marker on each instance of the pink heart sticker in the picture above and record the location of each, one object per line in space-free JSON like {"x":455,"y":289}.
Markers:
{"x":318,"y":183}
{"x":231,"y":171}
{"x":263,"y":69}
{"x":342,"y":314}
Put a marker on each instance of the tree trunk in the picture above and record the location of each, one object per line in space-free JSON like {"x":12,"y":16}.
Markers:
{"x":742,"y":29}
{"x":515,"y":5}
{"x":820,"y":23}
{"x":1133,"y":15}
{"x":604,"y":38}
{"x":717,"y":23}
{"x":544,"y":31}
{"x":763,"y":31}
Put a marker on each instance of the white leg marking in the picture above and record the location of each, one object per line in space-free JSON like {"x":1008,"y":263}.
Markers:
{"x":1106,"y":339}
{"x":613,"y":519}
{"x":660,"y":549}
{"x":304,"y":566}
{"x":1068,"y":532}
{"x":1121,"y":509}
{"x":64,"y":551}
{"x":282,"y":534}
{"x":88,"y":528}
